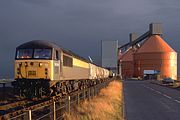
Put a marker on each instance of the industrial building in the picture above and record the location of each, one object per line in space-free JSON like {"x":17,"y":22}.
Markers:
{"x":126,"y":61}
{"x":109,"y":54}
{"x":148,"y":56}
{"x":127,"y":64}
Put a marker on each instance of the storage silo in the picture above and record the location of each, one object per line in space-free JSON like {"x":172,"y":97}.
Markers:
{"x":156,"y":55}
{"x":127,"y":59}
{"x":127,"y":64}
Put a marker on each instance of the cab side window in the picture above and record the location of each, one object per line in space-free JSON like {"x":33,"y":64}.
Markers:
{"x":67,"y":61}
{"x":57,"y":55}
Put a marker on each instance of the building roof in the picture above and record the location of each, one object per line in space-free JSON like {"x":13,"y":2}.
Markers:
{"x":37,"y":44}
{"x":128,"y":55}
{"x":155,"y":44}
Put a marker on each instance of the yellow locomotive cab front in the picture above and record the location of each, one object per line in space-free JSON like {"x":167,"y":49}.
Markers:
{"x":33,"y":69}
{"x":37,"y":69}
{"x":33,"y":64}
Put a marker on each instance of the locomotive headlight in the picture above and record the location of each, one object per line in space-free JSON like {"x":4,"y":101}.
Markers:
{"x":40,"y":64}
{"x":31,"y":63}
{"x":18,"y":65}
{"x":46,"y":71}
{"x":18,"y":71}
{"x":26,"y":64}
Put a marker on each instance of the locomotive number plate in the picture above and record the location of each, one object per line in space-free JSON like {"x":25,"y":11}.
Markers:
{"x":31,"y":73}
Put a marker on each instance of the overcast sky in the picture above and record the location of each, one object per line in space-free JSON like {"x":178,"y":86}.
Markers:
{"x":80,"y":25}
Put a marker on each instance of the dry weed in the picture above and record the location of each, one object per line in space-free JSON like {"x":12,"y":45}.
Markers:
{"x":106,"y":106}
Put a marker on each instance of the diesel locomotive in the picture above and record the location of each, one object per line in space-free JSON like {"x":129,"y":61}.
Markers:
{"x":43,"y":68}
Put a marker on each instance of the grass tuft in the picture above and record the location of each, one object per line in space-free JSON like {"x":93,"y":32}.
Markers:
{"x":106,"y":106}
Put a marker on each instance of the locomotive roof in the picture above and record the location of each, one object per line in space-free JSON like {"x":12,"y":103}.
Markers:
{"x":46,"y":44}
{"x":37,"y":44}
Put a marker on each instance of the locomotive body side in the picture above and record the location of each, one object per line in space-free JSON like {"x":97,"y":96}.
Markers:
{"x":74,"y":68}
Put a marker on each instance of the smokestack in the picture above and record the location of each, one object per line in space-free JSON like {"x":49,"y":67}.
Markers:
{"x":155,"y":29}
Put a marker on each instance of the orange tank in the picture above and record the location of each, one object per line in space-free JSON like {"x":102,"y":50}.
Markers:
{"x":156,"y":54}
{"x":127,"y":64}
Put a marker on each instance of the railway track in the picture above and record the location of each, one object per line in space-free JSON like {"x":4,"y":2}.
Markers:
{"x":39,"y":108}
{"x":16,"y":108}
{"x":12,"y":104}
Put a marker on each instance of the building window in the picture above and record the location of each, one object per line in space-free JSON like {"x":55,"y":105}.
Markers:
{"x":67,"y":61}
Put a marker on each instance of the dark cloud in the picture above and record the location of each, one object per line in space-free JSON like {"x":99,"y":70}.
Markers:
{"x":35,"y":2}
{"x":80,"y":25}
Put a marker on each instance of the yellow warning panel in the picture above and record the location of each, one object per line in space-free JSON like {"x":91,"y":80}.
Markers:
{"x":80,"y":63}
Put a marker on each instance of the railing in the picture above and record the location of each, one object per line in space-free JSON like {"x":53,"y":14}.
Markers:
{"x":58,"y":106}
{"x":3,"y":82}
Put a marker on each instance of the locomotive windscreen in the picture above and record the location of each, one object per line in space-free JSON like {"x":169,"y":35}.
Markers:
{"x":42,"y":53}
{"x":24,"y":53}
{"x":34,"y":54}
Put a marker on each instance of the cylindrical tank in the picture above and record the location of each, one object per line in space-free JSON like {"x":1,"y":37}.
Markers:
{"x":127,"y":64}
{"x":156,"y":54}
